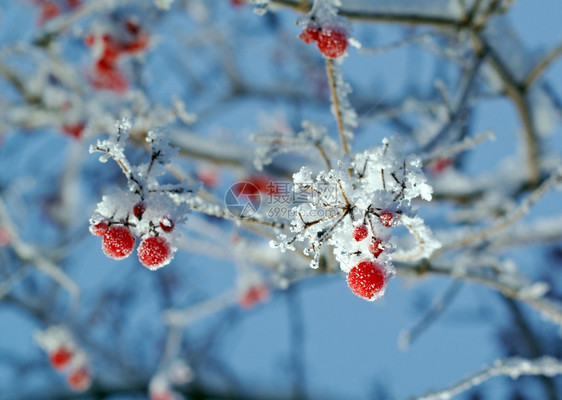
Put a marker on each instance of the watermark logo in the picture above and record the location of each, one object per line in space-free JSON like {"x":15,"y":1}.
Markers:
{"x":242,"y":199}
{"x":278,"y":199}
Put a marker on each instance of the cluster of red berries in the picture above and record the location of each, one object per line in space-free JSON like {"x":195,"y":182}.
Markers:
{"x":65,"y":356}
{"x":331,"y":41}
{"x":50,"y":9}
{"x":118,"y":241}
{"x":79,"y":377}
{"x":107,"y":74}
{"x":367,"y":279}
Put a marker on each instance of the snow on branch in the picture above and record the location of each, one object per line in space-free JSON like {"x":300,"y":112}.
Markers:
{"x":149,"y":210}
{"x":514,"y":368}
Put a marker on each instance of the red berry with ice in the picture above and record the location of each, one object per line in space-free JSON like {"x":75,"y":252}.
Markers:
{"x":253,"y":295}
{"x":360,"y":232}
{"x":74,"y":130}
{"x":309,"y":34}
{"x":386,"y":218}
{"x":118,"y":242}
{"x":376,"y":247}
{"x":155,"y":252}
{"x":332,"y":42}
{"x":166,"y":224}
{"x":139,"y":209}
{"x":79,"y":379}
{"x":99,"y":229}
{"x":366,"y":280}
{"x":60,"y":358}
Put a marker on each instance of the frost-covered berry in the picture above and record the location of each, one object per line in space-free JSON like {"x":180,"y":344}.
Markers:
{"x":376,"y":247}
{"x":332,"y":42}
{"x":366,"y":280}
{"x":60,"y":358}
{"x":359,"y":233}
{"x":139,"y":209}
{"x":79,"y":379}
{"x":118,"y":242}
{"x":441,"y":165}
{"x":386,"y":218}
{"x":49,"y":11}
{"x":309,"y":34}
{"x":74,"y":130}
{"x":99,"y":229}
{"x":154,"y":252}
{"x":253,"y":295}
{"x":167,"y":224}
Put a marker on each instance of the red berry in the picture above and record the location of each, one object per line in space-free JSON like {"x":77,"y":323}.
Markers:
{"x":253,"y":295}
{"x":386,"y":218}
{"x":60,"y":358}
{"x":167,"y":224}
{"x":209,"y":177}
{"x":73,"y":3}
{"x":154,"y":252}
{"x":74,"y":130}
{"x":110,"y":79}
{"x":132,"y":26}
{"x":139,"y":209}
{"x":79,"y":379}
{"x":359,"y":233}
{"x":332,"y":42}
{"x":99,"y":229}
{"x":366,"y":280}
{"x":89,"y":40}
{"x":162,"y":395}
{"x":138,"y":44}
{"x":309,"y":34}
{"x":50,"y":10}
{"x":376,"y":247}
{"x":441,"y":165}
{"x":118,"y":242}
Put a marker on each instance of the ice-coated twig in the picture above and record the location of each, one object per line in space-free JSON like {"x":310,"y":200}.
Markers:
{"x":418,"y":37}
{"x":510,"y":285}
{"x":513,"y":367}
{"x":542,"y":65}
{"x":271,"y":144}
{"x":196,"y":203}
{"x":437,"y":308}
{"x":466,"y":144}
{"x":542,"y":230}
{"x":503,"y":222}
{"x":336,"y":104}
{"x":202,"y":309}
{"x":29,"y":254}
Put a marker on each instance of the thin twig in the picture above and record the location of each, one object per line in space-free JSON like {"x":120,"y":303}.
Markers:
{"x":512,"y":367}
{"x":336,"y":104}
{"x":542,"y":65}
{"x":504,"y":222}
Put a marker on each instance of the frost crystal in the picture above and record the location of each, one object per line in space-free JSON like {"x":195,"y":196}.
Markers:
{"x":374,"y":189}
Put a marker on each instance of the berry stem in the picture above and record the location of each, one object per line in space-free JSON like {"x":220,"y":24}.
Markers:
{"x":335,"y":101}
